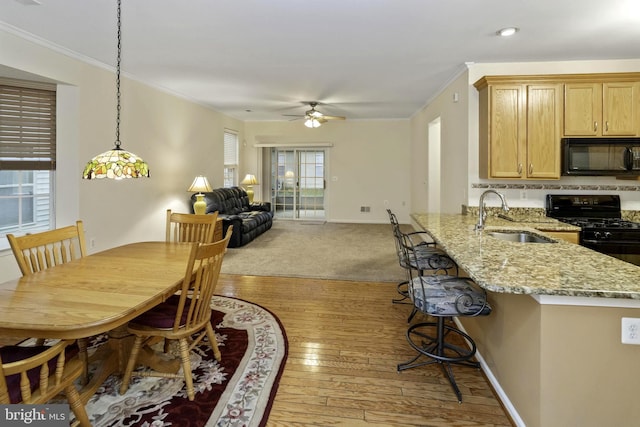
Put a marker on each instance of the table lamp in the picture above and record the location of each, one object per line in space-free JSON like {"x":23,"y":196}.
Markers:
{"x":199,"y":185}
{"x":249,"y":181}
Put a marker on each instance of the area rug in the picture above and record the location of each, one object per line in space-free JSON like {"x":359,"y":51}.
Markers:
{"x":238,"y":391}
{"x":337,"y":251}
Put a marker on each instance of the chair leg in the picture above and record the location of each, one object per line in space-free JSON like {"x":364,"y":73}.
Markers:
{"x":76,"y":405}
{"x":131,"y":364}
{"x":211,"y":335}
{"x":437,"y":350}
{"x":412,"y":314}
{"x":186,"y":367}
{"x":404,"y":293}
{"x":83,"y":355}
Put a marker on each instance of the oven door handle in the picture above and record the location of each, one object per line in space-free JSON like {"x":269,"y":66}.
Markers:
{"x":625,"y":243}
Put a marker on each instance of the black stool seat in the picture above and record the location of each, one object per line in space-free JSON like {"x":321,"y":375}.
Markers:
{"x":444,"y":297}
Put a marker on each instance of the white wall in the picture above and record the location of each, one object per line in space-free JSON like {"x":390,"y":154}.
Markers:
{"x":453,"y":112}
{"x":179,"y":139}
{"x":368,"y":163}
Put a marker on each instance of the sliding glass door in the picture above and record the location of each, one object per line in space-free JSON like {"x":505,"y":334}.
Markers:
{"x":298,"y":183}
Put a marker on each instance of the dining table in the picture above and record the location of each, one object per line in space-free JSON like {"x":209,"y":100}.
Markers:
{"x":94,"y":295}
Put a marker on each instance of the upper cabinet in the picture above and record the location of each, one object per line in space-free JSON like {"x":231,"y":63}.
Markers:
{"x":601,"y":109}
{"x":523,"y":118}
{"x":520,"y":130}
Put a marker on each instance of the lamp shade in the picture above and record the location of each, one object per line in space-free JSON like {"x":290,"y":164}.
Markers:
{"x":249,"y":180}
{"x":116,"y":164}
{"x":200,"y":184}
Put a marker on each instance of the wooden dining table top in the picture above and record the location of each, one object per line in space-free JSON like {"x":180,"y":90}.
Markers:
{"x":93,"y":294}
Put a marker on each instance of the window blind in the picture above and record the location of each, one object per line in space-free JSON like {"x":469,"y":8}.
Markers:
{"x":27,"y":128}
{"x":230,"y":148}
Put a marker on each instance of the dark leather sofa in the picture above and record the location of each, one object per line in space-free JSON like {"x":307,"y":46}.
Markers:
{"x":248,"y":220}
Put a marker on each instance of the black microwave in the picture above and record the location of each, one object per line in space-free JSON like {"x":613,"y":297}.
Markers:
{"x":601,"y":156}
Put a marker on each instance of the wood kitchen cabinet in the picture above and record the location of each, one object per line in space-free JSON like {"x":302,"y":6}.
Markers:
{"x":569,"y":236}
{"x":520,"y":129}
{"x":601,"y":109}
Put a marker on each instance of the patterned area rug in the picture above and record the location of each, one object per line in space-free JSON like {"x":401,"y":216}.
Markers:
{"x":238,"y":391}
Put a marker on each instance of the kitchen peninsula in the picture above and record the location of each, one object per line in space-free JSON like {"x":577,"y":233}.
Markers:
{"x":552,"y":345}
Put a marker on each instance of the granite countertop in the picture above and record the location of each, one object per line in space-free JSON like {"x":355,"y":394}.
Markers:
{"x":561,"y":268}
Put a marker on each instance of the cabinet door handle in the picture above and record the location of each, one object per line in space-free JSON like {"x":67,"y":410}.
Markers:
{"x":595,"y":126}
{"x":530,"y":168}
{"x":606,"y":126}
{"x":519,"y":168}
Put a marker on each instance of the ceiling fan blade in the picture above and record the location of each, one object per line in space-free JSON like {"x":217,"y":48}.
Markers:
{"x":314,"y":114}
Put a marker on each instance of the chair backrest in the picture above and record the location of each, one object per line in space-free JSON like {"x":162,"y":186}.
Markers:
{"x":35,"y":374}
{"x":201,"y":278}
{"x":397,"y":236}
{"x":183,"y":227}
{"x":37,"y":252}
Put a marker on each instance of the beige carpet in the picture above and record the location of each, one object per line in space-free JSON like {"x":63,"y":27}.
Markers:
{"x":360,"y":252}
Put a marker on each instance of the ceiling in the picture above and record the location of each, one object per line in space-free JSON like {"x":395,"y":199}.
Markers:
{"x":363,"y":59}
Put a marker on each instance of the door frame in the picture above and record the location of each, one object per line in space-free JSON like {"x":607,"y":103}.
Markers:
{"x":296,"y":207}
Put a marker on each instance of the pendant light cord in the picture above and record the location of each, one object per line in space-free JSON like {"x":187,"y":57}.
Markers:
{"x":118,"y":78}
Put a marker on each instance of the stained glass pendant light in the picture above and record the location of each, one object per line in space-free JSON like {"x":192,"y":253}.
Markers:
{"x":116,"y":163}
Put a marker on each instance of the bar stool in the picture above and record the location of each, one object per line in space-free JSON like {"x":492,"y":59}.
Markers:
{"x":417,"y":257}
{"x":419,"y":260}
{"x":444,"y":297}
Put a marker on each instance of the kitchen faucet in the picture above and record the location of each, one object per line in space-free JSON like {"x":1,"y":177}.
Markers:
{"x":482,"y":215}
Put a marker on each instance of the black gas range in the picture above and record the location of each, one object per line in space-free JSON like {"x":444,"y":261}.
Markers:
{"x":600,"y":219}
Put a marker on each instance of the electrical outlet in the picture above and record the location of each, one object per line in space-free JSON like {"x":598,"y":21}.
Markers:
{"x":630,"y":330}
{"x":523,"y":194}
{"x":92,"y":242}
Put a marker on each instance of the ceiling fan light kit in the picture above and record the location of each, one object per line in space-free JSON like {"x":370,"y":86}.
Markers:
{"x":314,"y":118}
{"x":312,"y":123}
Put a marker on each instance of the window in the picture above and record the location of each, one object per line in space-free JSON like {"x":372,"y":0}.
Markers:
{"x":230,"y":158}
{"x":27,"y":156}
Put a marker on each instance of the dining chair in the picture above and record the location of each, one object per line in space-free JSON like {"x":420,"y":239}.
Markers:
{"x":40,"y":251}
{"x":185,"y":317}
{"x":37,"y":252}
{"x":36,"y":374}
{"x":183,"y":227}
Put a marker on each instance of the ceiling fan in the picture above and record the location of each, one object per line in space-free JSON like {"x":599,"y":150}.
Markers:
{"x":314,"y":118}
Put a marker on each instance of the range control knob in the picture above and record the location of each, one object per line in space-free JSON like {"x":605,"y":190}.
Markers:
{"x":602,"y":236}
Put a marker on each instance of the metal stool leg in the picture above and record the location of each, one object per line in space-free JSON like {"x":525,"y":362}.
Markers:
{"x":437,"y":350}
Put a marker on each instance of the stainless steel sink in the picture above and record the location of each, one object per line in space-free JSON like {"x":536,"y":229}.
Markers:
{"x":520,"y":236}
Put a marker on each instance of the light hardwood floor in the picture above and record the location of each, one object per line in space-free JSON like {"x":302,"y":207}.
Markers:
{"x":345,"y":340}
